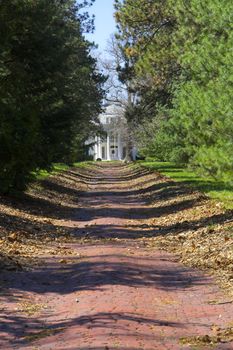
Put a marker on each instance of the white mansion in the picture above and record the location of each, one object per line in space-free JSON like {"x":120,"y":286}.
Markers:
{"x":113,"y":145}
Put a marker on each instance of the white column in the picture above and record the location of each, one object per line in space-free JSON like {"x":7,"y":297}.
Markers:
{"x":95,"y":149}
{"x":99,"y":148}
{"x":108,"y":147}
{"x":119,"y":146}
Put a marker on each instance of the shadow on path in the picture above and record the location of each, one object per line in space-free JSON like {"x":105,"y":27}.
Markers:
{"x":113,"y":206}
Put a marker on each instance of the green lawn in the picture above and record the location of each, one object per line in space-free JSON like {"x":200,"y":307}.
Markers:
{"x":214,"y":189}
{"x":57,"y":168}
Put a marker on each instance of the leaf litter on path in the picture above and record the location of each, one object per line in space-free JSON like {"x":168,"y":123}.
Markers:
{"x":181,"y":220}
{"x":177,"y":219}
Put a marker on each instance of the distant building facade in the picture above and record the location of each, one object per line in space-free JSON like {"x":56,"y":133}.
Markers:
{"x":113,"y":145}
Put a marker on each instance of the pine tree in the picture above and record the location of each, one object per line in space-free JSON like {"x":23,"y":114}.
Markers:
{"x":49,"y":85}
{"x":181,"y":56}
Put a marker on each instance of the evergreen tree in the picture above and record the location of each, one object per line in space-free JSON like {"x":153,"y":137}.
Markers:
{"x":49,"y":87}
{"x":181,"y":55}
{"x":203,"y":103}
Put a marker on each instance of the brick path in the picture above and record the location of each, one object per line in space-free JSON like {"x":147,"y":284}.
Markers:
{"x":120,"y":295}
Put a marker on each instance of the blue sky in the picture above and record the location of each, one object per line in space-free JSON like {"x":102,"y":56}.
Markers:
{"x":104,"y":22}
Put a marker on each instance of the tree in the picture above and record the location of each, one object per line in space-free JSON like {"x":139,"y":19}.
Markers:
{"x":145,"y":33}
{"x":180,"y":54}
{"x":49,"y":85}
{"x":203,"y":101}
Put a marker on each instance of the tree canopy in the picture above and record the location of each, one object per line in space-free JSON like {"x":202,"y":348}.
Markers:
{"x":50,"y":90}
{"x":181,"y":56}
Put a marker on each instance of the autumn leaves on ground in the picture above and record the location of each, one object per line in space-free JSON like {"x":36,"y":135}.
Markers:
{"x":85,"y":263}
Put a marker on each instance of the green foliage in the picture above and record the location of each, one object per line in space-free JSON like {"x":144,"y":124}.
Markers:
{"x":203,"y":102}
{"x":145,"y":29}
{"x":49,"y":88}
{"x":182,"y":57}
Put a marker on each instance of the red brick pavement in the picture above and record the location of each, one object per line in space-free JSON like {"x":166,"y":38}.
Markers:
{"x":121,"y":295}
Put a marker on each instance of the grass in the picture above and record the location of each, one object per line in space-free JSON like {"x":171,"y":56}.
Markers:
{"x":84,"y":164}
{"x":56,"y":169}
{"x":217,"y":190}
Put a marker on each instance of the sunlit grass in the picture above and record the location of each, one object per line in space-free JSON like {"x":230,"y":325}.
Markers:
{"x":218,"y":190}
{"x":84,"y":164}
{"x":58,"y":168}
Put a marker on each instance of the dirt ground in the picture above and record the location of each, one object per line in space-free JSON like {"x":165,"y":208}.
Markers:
{"x":114,"y":256}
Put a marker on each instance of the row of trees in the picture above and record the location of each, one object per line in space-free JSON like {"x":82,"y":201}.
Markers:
{"x":50,"y":90}
{"x":179,"y":66}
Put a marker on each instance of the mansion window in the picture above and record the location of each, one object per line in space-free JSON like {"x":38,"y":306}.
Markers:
{"x":108,"y":120}
{"x":113,"y":137}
